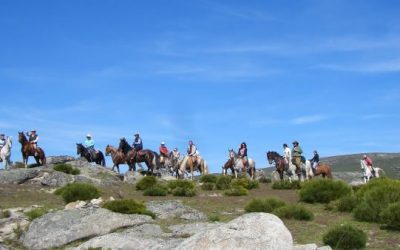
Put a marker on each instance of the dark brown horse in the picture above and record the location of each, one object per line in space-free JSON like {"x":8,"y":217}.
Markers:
{"x":229,"y":164}
{"x":150,"y":158}
{"x":118,"y":157}
{"x":28,"y":149}
{"x":98,"y":157}
{"x":280,"y":164}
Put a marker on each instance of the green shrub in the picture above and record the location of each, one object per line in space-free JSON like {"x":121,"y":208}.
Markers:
{"x":186,"y":192}
{"x":36,"y":213}
{"x":5,"y":214}
{"x":186,"y":184}
{"x":346,"y":203}
{"x":19,"y":164}
{"x":345,"y":237}
{"x":286,"y":185}
{"x":323,"y":191}
{"x":208,"y":178}
{"x":214,"y":217}
{"x":128,"y":207}
{"x":244,"y":182}
{"x":146,"y":182}
{"x":375,"y":197}
{"x":296,"y":212}
{"x":236,"y":191}
{"x":391,"y":216}
{"x":223,"y":182}
{"x":78,"y":191}
{"x":208,"y":186}
{"x":264,"y":205}
{"x":66,"y":168}
{"x":156,"y":190}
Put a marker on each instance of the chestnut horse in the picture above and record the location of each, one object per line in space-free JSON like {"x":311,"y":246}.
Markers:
{"x":281,"y":165}
{"x":188,"y":164}
{"x":27,"y":149}
{"x":151,"y":158}
{"x":324,"y":170}
{"x":117,"y":157}
{"x":84,"y":152}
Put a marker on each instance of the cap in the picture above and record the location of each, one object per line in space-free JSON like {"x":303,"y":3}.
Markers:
{"x":89,"y":135}
{"x":295,"y":142}
{"x":162,"y":143}
{"x":136,"y":133}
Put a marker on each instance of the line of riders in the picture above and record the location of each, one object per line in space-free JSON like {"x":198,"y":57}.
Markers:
{"x":170,"y":159}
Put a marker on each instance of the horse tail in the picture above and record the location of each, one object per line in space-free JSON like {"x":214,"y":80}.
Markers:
{"x":328,"y":172}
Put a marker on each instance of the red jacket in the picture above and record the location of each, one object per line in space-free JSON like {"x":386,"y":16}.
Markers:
{"x":368,"y":161}
{"x":164,"y":150}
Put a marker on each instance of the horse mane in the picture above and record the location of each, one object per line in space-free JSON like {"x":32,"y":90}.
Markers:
{"x":275,"y":153}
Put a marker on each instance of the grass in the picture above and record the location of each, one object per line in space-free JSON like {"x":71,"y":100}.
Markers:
{"x":216,"y":209}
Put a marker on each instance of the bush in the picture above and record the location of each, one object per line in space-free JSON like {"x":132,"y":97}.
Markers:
{"x":66,"y":168}
{"x":186,"y":192}
{"x":236,"y":191}
{"x":375,"y":197}
{"x":323,"y":191}
{"x":345,"y":237}
{"x":36,"y":213}
{"x":286,"y":185}
{"x":264,"y":205}
{"x":223,"y":182}
{"x":208,"y":186}
{"x":347,"y":203}
{"x":214,"y":217}
{"x":156,"y":190}
{"x":296,"y":212}
{"x":208,"y":178}
{"x":146,"y":182}
{"x":244,"y":182}
{"x":19,"y":164}
{"x":391,"y":216}
{"x":128,"y":207}
{"x":78,"y":191}
{"x":186,"y":184}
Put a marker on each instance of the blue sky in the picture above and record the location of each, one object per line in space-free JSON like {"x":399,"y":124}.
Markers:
{"x":325,"y":73}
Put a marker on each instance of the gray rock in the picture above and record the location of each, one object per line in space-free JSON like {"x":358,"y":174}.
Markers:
{"x":62,"y":227}
{"x":249,"y":231}
{"x":174,"y":209}
{"x":3,"y":247}
{"x":18,"y":176}
{"x":192,"y":228}
{"x":56,"y":179}
{"x":146,"y":236}
{"x":324,"y":248}
{"x":59,"y":159}
{"x":132,"y":177}
{"x":306,"y":247}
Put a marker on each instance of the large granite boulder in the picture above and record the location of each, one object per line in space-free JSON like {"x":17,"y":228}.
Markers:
{"x":174,"y":209}
{"x":18,"y":176}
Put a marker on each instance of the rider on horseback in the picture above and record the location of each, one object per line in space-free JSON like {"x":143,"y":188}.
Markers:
{"x":296,"y":153}
{"x":137,"y":143}
{"x":192,"y":152}
{"x":287,"y":154}
{"x":242,"y":153}
{"x":33,"y":140}
{"x":163,"y":153}
{"x":314,"y":161}
{"x":176,"y":154}
{"x":368,"y":162}
{"x":89,"y":145}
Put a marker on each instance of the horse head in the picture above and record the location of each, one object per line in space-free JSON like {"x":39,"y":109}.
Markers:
{"x":232,"y":154}
{"x":80,"y":149}
{"x":270,"y":157}
{"x":21,"y":137}
{"x":108,"y":150}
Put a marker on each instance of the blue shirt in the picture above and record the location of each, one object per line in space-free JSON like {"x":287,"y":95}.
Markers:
{"x":89,"y":143}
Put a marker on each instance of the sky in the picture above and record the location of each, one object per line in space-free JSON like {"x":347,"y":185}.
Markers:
{"x":324,"y":73}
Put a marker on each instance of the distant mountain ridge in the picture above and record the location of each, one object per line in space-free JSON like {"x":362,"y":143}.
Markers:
{"x":389,"y":162}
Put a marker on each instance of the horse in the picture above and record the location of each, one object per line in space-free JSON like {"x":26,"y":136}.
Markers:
{"x":133,"y":156}
{"x":5,"y":153}
{"x":172,"y":163}
{"x":369,"y":171}
{"x":188,"y":164}
{"x":98,"y":158}
{"x":117,"y":157}
{"x":281,"y":165}
{"x":235,"y":163}
{"x":27,"y":149}
{"x":324,"y":170}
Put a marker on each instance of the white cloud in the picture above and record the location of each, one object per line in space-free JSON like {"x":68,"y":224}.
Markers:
{"x":308,"y":119}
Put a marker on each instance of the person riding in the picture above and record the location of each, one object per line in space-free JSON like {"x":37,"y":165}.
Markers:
{"x":242,"y":153}
{"x":192,"y":151}
{"x":137,"y":142}
{"x":163,"y":153}
{"x":287,"y":154}
{"x":296,"y":156}
{"x":33,"y":139}
{"x":2,"y":141}
{"x":175,"y":153}
{"x":369,"y":163}
{"x":314,"y":161}
{"x":89,"y":145}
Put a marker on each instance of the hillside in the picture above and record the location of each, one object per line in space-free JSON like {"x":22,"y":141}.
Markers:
{"x":389,"y":162}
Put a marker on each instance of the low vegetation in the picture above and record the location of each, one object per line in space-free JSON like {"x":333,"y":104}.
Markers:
{"x":66,"y":168}
{"x":286,"y":185}
{"x":146,"y":182}
{"x":4,"y":213}
{"x":157,"y":190}
{"x":184,"y":188}
{"x":323,"y":191}
{"x":264,"y":205}
{"x":78,"y":191}
{"x":128,"y":206}
{"x":36,"y":213}
{"x":345,"y":236}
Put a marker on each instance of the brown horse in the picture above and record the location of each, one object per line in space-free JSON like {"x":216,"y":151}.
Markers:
{"x":229,"y":165}
{"x":280,"y":164}
{"x":98,"y":157}
{"x":150,"y":158}
{"x":117,"y":157}
{"x":188,"y":164}
{"x":27,"y":149}
{"x":324,"y":170}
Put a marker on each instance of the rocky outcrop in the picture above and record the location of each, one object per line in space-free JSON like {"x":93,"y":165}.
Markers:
{"x":174,"y":209}
{"x":250,"y":231}
{"x":59,"y":159}
{"x":62,"y":227}
{"x":18,"y":176}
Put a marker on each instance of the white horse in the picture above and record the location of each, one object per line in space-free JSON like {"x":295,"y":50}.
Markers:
{"x":237,"y":164}
{"x":5,"y":153}
{"x":368,"y":171}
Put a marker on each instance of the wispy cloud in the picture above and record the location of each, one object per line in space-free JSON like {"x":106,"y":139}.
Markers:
{"x":308,"y":119}
{"x":371,"y":67}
